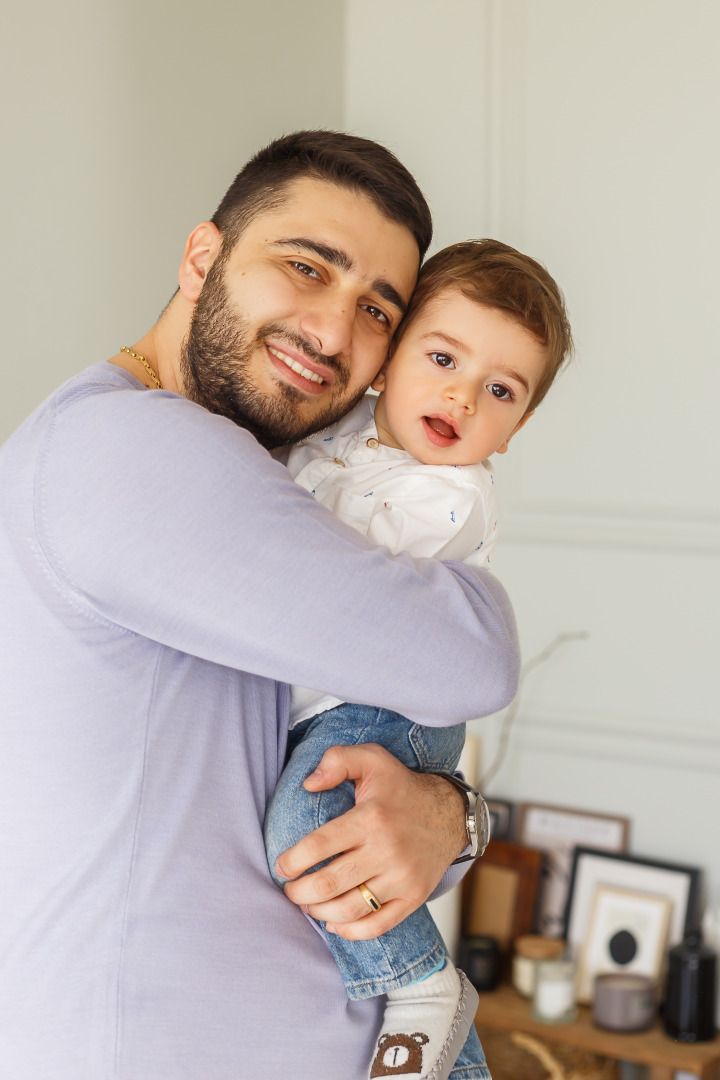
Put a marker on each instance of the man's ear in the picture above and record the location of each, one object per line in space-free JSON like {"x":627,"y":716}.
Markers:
{"x":201,"y":249}
{"x":378,"y":382}
{"x":504,"y":447}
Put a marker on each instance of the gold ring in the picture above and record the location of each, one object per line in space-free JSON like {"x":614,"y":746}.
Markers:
{"x":370,"y":898}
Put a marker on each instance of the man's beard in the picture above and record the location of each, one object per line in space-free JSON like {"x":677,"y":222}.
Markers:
{"x":215,"y":364}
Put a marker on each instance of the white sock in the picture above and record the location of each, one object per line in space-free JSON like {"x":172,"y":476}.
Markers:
{"x":425,"y":1027}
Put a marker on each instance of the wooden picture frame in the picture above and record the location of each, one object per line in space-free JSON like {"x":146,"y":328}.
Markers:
{"x":558,"y":830}
{"x":500,"y":893}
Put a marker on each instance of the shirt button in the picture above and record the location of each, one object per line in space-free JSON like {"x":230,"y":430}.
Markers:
{"x":373,"y":444}
{"x":339,"y":461}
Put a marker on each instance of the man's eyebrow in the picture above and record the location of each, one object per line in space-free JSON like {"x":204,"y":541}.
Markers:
{"x":388,"y":292}
{"x":335,"y":256}
{"x":462,"y":347}
{"x":342,"y":261}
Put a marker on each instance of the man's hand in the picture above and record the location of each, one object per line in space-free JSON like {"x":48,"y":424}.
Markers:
{"x":399,"y":839}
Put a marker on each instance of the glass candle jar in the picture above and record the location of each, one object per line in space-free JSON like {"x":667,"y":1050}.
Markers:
{"x":530,"y":950}
{"x":554,"y":1001}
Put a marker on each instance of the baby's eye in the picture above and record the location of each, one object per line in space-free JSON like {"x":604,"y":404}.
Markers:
{"x":377,"y":314}
{"x":443,"y":360}
{"x":503,"y":393}
{"x":305,"y":270}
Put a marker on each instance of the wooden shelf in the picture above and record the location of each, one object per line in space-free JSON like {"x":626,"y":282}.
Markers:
{"x":505,"y":1010}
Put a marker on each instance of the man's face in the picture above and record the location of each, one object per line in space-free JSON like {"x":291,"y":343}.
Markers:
{"x":292,"y":326}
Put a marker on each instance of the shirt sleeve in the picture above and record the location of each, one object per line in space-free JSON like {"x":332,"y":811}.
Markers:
{"x":172,"y":523}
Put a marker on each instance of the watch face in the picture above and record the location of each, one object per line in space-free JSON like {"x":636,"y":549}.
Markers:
{"x":482,"y":824}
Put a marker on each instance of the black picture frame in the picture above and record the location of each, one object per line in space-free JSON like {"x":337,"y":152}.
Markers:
{"x":592,"y":867}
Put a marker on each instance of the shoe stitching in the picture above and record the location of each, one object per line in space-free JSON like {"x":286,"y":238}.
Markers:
{"x":435,"y":1073}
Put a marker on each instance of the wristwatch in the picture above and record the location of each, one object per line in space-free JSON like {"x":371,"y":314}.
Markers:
{"x":477,"y":818}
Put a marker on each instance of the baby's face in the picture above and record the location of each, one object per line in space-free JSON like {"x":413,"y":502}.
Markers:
{"x":459,"y":384}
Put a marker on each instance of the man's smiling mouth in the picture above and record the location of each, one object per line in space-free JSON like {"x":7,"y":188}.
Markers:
{"x":296,"y":366}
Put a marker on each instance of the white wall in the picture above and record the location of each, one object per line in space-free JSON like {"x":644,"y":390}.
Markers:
{"x":585,"y":134}
{"x":124,"y":121}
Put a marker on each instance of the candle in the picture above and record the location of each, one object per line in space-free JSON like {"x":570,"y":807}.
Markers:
{"x":554,"y":1000}
{"x":623,"y":1001}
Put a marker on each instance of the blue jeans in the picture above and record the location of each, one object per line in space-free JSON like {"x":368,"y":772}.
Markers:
{"x":414,"y":948}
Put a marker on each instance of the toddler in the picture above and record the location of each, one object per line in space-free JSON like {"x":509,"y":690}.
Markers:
{"x":484,"y":336}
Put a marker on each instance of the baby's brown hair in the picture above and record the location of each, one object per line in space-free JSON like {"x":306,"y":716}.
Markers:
{"x":496,"y":275}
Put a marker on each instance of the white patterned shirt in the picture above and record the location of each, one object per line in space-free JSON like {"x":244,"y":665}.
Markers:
{"x":447,"y":512}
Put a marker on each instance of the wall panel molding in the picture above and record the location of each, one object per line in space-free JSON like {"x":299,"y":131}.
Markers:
{"x":672,"y":529}
{"x":591,"y":735}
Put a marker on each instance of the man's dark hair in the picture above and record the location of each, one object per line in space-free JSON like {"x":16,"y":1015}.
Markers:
{"x":335,"y":157}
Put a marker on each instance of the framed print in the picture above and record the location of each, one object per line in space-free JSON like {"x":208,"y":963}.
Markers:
{"x":680,"y":884}
{"x":557,"y":831}
{"x":500,"y":811}
{"x":500,"y":892}
{"x":627,"y":932}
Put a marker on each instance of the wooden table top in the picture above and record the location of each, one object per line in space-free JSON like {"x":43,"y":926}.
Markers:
{"x":504,"y":1008}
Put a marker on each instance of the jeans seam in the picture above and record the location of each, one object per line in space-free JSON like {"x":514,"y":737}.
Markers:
{"x":407,"y":976}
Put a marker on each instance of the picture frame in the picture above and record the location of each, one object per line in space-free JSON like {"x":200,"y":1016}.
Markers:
{"x":592,"y":868}
{"x":627,"y":932}
{"x":499,"y":894}
{"x":501,"y":815}
{"x":557,"y":831}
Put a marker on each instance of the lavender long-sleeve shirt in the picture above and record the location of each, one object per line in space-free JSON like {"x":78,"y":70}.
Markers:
{"x":161,"y":580}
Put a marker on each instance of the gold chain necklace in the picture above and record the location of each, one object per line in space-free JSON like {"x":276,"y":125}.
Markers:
{"x":143,"y":361}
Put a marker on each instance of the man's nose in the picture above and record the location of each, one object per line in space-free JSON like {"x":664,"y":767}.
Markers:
{"x":329,"y":325}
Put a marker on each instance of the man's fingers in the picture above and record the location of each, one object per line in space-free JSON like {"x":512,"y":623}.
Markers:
{"x":341,"y":763}
{"x":373,"y":924}
{"x":349,"y":907}
{"x":331,"y":839}
{"x":335,"y":879}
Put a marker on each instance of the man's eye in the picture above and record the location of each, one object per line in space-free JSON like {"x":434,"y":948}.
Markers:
{"x":501,"y":392}
{"x":377,"y":314}
{"x":307,"y":271}
{"x":442,"y":359}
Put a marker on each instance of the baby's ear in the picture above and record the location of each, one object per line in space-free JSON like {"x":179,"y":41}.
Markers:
{"x":378,"y":382}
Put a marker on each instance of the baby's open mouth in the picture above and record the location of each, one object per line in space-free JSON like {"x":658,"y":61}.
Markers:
{"x":441,"y":427}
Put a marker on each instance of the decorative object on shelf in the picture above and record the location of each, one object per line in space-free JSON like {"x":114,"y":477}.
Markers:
{"x":554,"y":1000}
{"x":592,"y":868}
{"x":690,"y":999}
{"x":500,"y":892}
{"x":500,"y":811}
{"x":479,"y":958}
{"x":627,"y":932}
{"x":557,"y":831}
{"x":624,"y":1002}
{"x":711,"y":937}
{"x":530,"y":950}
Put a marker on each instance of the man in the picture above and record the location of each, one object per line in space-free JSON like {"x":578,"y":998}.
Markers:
{"x":159,"y":574}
